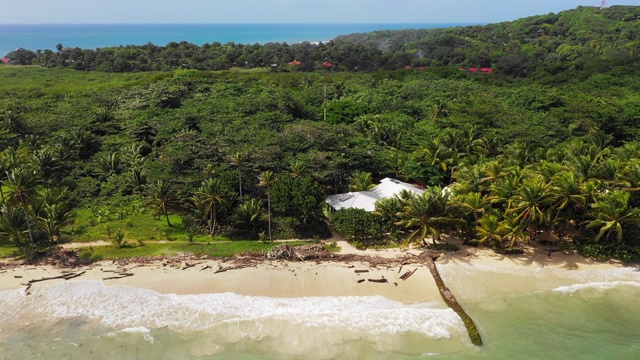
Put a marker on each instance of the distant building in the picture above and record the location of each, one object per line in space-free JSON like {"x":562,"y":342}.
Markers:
{"x":6,"y":60}
{"x":366,"y":200}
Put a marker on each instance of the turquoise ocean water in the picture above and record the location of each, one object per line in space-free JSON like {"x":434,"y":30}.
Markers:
{"x":524,"y":313}
{"x":34,"y":37}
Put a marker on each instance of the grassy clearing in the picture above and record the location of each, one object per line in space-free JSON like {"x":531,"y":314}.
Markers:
{"x":215,"y":249}
{"x":64,"y":81}
{"x":101,"y":224}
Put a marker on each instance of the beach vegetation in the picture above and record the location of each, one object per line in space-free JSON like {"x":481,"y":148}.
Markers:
{"x":543,"y":148}
{"x":356,"y":224}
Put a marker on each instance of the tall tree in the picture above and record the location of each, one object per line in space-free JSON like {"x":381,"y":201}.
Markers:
{"x":212,"y":198}
{"x":22,"y":192}
{"x":266,"y":180}
{"x":239,"y":161}
{"x":162,"y":197}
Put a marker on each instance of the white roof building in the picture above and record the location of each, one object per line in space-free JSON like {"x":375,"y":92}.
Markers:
{"x":366,"y":200}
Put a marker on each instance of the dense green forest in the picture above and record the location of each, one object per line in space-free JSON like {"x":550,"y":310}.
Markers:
{"x":196,"y":155}
{"x":555,"y":48}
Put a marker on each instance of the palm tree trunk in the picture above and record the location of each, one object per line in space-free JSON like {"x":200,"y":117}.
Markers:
{"x":166,"y":215}
{"x":240,"y":181}
{"x":26,"y":216}
{"x":213,"y":222}
{"x":269,"y":211}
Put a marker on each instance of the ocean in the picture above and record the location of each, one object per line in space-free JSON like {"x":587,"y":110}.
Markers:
{"x":522,"y":313}
{"x":34,"y":37}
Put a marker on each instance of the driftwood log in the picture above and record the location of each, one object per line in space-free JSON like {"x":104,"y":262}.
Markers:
{"x":449,"y":299}
{"x":66,"y":276}
{"x":302,"y":253}
{"x":383,"y":280}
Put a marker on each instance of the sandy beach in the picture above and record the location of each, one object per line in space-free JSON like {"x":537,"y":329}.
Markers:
{"x":279,"y":278}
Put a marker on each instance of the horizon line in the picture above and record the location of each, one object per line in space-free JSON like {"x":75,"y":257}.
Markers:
{"x":255,"y":23}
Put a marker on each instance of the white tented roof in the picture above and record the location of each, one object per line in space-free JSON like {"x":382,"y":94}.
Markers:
{"x":366,"y":200}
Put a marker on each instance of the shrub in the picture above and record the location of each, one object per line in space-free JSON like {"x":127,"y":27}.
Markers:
{"x":356,"y":224}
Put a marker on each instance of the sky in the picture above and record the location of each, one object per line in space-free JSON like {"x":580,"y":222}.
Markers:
{"x":280,"y":11}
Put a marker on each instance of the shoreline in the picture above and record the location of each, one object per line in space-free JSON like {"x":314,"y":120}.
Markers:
{"x":288,"y":279}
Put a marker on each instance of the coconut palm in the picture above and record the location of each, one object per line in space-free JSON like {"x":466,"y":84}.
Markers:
{"x":361,"y":181}
{"x":511,"y":229}
{"x":22,"y":192}
{"x":610,"y":212}
{"x":248,"y":215}
{"x":266,"y":180}
{"x":137,"y":178}
{"x":473,"y":203}
{"x":53,"y":217}
{"x":13,"y":224}
{"x":162,"y":197}
{"x":386,"y":209}
{"x":110,"y":163}
{"x":488,"y":231}
{"x":211,"y":197}
{"x":435,"y":154}
{"x":238,"y":160}
{"x":426,"y":214}
{"x":566,"y":193}
{"x":297,"y":168}
{"x":531,"y":202}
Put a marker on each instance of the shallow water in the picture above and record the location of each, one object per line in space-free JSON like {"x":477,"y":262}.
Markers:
{"x":521,"y":313}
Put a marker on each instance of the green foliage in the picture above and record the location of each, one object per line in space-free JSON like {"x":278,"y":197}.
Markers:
{"x":544,"y":152}
{"x":300,"y":197}
{"x":356,"y":224}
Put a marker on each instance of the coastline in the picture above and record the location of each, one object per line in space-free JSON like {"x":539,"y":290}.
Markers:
{"x":287,"y":279}
{"x":292,"y":309}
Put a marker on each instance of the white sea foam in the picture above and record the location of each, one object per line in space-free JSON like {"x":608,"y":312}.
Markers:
{"x":136,"y":310}
{"x":572,"y":289}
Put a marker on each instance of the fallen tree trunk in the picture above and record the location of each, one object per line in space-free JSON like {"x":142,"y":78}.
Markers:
{"x":66,"y":276}
{"x":450,"y":300}
{"x":122,"y":275}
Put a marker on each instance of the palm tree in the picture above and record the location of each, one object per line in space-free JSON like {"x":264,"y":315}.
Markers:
{"x":162,"y":198}
{"x":489,"y":231}
{"x":531,"y":202}
{"x":12,"y":223}
{"x":610,"y":212}
{"x":137,"y":178}
{"x":566,"y":193}
{"x":266,"y":180}
{"x":110,"y":163}
{"x":297,"y":168}
{"x":427,"y":214}
{"x":211,"y":197}
{"x":361,"y":181}
{"x":238,"y":160}
{"x":54,"y":216}
{"x":249,"y":214}
{"x":511,"y":229}
{"x":53,"y":211}
{"x":22,"y":192}
{"x":474,"y":203}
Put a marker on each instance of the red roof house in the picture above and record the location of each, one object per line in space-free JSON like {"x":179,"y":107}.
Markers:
{"x":473,"y":69}
{"x":487,"y":70}
{"x":326,"y":64}
{"x":294,"y":62}
{"x":6,"y":60}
